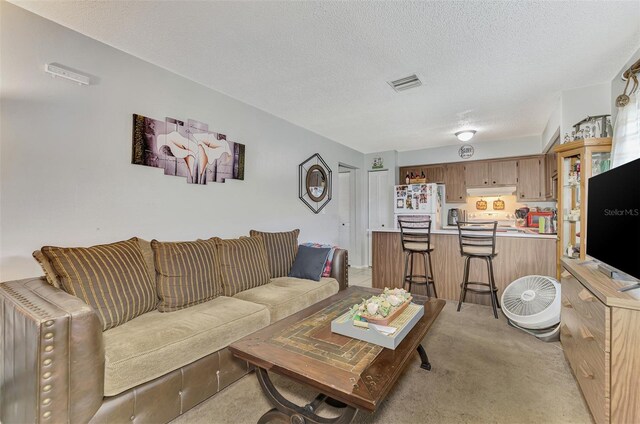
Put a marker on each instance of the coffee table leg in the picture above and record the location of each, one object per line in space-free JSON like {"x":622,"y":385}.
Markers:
{"x":425,"y":365}
{"x":288,"y":411}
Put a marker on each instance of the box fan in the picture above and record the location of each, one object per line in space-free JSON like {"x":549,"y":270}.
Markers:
{"x":532,"y":304}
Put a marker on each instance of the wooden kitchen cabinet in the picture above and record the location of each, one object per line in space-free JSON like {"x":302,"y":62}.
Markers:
{"x":503,"y":173}
{"x":550,"y":176}
{"x":530,"y":179}
{"x":435,"y":174}
{"x":491,"y":173}
{"x":454,"y":183}
{"x":529,"y":174}
{"x":476,"y":174}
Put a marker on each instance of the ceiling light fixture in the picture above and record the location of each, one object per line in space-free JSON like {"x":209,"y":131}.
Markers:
{"x":465,"y":135}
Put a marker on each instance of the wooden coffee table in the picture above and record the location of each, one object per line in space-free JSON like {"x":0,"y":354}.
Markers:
{"x":347,"y":373}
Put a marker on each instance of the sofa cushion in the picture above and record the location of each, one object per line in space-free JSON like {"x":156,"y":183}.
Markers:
{"x":243,"y":263}
{"x":156,"y":343}
{"x":187,"y":273}
{"x":147,"y":254}
{"x":309,"y":263}
{"x":286,"y":295}
{"x":281,"y":250}
{"x":111,"y":278}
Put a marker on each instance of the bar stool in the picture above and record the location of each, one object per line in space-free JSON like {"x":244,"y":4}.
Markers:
{"x":415,"y":233}
{"x":478,"y":241}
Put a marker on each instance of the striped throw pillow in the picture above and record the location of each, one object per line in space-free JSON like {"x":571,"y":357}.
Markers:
{"x":243,"y":263}
{"x":47,"y":268}
{"x":111,"y":278}
{"x":281,"y":250}
{"x":186,"y":273}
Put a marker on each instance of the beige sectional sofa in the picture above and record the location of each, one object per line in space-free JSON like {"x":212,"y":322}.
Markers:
{"x":58,"y":364}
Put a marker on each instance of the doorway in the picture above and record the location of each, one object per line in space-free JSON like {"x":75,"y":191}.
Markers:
{"x":347,"y":208}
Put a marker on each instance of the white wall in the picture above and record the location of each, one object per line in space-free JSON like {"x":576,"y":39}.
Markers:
{"x":521,"y":146}
{"x":552,"y":129}
{"x":66,"y":176}
{"x":581,"y":102}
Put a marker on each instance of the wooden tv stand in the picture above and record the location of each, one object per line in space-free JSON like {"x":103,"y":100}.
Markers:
{"x":600,"y":334}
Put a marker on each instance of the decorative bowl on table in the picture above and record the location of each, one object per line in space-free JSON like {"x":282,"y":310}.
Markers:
{"x":382,"y":309}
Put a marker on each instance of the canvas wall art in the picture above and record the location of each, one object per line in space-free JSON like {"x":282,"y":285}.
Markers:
{"x":187,"y":150}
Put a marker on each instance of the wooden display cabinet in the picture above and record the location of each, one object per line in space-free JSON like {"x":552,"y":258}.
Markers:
{"x":591,"y":156}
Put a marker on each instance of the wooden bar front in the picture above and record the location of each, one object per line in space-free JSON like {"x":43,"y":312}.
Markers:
{"x":517,"y":257}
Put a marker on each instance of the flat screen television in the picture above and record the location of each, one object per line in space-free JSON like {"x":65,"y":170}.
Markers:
{"x":613,"y":218}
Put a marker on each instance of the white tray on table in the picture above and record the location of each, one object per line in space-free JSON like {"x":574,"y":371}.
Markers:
{"x":403,"y":323}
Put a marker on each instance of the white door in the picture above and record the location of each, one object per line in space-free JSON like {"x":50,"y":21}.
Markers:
{"x":379,"y":203}
{"x":344,"y":209}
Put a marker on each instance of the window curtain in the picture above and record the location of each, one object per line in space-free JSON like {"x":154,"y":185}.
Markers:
{"x":626,"y":135}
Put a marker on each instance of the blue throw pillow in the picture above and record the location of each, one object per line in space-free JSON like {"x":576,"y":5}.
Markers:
{"x":309,"y":262}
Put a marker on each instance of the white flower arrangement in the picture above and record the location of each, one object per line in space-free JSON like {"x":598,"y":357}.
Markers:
{"x":380,"y":306}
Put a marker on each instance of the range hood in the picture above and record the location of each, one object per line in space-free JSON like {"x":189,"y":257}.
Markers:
{"x":491,"y":191}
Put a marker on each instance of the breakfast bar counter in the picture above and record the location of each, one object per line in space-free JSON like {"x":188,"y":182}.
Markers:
{"x":519,"y":254}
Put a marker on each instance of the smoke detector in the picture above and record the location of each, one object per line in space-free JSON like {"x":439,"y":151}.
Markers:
{"x":406,"y":83}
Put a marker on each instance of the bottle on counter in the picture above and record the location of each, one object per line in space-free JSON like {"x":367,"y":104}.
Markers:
{"x":406,"y":179}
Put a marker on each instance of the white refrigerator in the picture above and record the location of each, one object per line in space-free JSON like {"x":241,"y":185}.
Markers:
{"x":417,"y":200}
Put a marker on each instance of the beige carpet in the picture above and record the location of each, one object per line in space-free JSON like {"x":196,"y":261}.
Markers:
{"x":483,"y":372}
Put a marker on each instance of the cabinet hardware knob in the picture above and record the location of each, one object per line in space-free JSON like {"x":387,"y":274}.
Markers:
{"x":494,"y":182}
{"x":586,"y":296}
{"x":585,"y":371}
{"x":585,"y":333}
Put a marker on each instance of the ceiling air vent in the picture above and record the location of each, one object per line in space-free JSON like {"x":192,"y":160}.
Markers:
{"x":406,"y":83}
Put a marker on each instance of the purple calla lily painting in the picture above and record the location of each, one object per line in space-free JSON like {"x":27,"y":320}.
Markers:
{"x":186,"y":150}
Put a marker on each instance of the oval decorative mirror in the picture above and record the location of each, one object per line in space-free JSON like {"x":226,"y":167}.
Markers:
{"x":314,"y":186}
{"x":316,"y":183}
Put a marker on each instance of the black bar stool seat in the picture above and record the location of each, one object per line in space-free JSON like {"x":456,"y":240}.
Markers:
{"x":415,"y":233}
{"x":478,"y":241}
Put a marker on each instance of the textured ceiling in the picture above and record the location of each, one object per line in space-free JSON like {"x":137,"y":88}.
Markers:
{"x":497,"y":67}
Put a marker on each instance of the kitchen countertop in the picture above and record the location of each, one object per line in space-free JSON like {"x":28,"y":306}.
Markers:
{"x":521,"y":233}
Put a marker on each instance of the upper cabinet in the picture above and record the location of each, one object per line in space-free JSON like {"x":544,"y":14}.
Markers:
{"x":427,"y":173}
{"x":530,"y":178}
{"x":455,"y":190}
{"x":503,"y":173}
{"x":551,"y":176}
{"x":435,"y":173}
{"x":484,"y":173}
{"x":476,"y":174}
{"x":533,"y":176}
